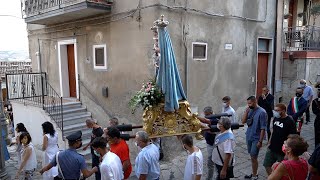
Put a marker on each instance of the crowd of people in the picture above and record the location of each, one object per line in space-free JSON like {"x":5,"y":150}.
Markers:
{"x":279,"y":125}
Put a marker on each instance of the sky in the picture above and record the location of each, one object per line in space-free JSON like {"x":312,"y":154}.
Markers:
{"x":13,"y":30}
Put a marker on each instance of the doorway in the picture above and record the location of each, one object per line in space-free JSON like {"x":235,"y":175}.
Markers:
{"x":264,"y":65}
{"x":262,"y":72}
{"x":71,"y":71}
{"x":67,"y":54}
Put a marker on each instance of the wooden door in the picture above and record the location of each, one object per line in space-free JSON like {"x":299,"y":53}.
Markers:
{"x":262,"y":72}
{"x":71,"y":71}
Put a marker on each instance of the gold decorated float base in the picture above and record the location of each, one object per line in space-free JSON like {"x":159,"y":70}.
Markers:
{"x":158,"y":123}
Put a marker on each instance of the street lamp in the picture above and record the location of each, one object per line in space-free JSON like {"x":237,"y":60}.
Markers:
{"x":3,"y":124}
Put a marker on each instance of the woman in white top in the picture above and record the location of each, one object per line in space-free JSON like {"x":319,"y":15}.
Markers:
{"x":50,"y":148}
{"x":29,"y":159}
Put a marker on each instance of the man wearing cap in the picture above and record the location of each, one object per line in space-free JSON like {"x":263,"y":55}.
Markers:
{"x":69,"y":162}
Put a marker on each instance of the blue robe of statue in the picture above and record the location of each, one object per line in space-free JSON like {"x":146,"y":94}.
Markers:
{"x":4,"y":147}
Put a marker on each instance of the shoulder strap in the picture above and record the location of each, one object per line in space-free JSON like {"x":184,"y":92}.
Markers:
{"x":221,"y":157}
{"x":223,"y":137}
{"x":59,"y":168}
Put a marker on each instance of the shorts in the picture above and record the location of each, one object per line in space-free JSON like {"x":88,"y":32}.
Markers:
{"x":253,"y":150}
{"x":271,"y":158}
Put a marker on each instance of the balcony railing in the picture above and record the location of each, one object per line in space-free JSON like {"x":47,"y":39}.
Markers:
{"x":301,"y":38}
{"x":35,"y":10}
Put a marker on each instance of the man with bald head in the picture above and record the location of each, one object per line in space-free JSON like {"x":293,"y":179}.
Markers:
{"x":308,"y":96}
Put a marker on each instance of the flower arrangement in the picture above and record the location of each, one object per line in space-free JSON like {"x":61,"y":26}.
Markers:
{"x":149,"y":95}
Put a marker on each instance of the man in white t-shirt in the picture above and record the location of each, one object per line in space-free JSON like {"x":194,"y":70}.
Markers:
{"x":225,"y":144}
{"x":194,"y":165}
{"x":111,"y":166}
{"x":228,"y":109}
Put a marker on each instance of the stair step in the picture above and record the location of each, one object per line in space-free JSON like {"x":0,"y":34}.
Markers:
{"x":85,"y":141}
{"x":76,"y":119}
{"x":86,"y":154}
{"x":71,"y":105}
{"x":71,"y":112}
{"x":67,"y":105}
{"x":85,"y":132}
{"x":78,"y":126}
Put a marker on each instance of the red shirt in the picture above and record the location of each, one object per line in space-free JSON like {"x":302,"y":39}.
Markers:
{"x":296,"y":169}
{"x":122,"y":150}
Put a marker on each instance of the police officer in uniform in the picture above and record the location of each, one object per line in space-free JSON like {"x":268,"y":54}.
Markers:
{"x":70,"y":162}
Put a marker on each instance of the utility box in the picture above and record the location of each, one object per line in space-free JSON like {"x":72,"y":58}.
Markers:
{"x":105,"y":91}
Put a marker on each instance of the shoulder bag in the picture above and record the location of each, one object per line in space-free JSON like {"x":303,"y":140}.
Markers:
{"x":229,"y":169}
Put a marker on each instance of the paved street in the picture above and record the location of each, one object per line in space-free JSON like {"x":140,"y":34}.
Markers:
{"x":174,"y":170}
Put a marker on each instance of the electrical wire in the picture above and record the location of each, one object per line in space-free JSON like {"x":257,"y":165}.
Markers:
{"x":133,"y":11}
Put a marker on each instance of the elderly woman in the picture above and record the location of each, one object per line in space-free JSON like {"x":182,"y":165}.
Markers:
{"x":223,"y":154}
{"x":293,"y":167}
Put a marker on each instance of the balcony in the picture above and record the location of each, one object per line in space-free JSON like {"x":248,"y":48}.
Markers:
{"x":301,"y":38}
{"x":48,"y":12}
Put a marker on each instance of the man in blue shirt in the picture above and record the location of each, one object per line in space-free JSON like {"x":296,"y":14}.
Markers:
{"x":70,"y":162}
{"x":147,"y":165}
{"x":256,"y":119}
{"x":308,"y":96}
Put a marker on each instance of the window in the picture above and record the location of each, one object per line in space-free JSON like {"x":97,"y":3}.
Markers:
{"x":199,"y":51}
{"x":100,"y":56}
{"x":263,"y":45}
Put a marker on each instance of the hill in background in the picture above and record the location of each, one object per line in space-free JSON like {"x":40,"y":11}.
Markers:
{"x":14,"y":56}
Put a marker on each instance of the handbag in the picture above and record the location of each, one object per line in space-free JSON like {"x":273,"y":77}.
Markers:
{"x":230,"y":173}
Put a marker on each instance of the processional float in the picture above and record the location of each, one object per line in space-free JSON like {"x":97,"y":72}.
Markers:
{"x":166,"y":109}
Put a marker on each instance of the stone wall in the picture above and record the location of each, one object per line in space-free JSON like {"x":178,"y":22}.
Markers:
{"x":295,"y":70}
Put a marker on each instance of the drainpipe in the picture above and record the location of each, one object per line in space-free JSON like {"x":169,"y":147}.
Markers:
{"x":38,"y":54}
{"x":275,"y":40}
{"x":38,"y":60}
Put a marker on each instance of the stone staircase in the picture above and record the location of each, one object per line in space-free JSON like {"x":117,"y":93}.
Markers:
{"x":74,"y":117}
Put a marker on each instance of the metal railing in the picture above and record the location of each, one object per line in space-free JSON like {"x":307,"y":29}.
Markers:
{"x":36,"y":7}
{"x":52,"y":104}
{"x":26,"y":88}
{"x":301,"y":38}
{"x":34,"y":89}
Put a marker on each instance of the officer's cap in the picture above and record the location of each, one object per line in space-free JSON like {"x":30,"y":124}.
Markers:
{"x":74,"y":136}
